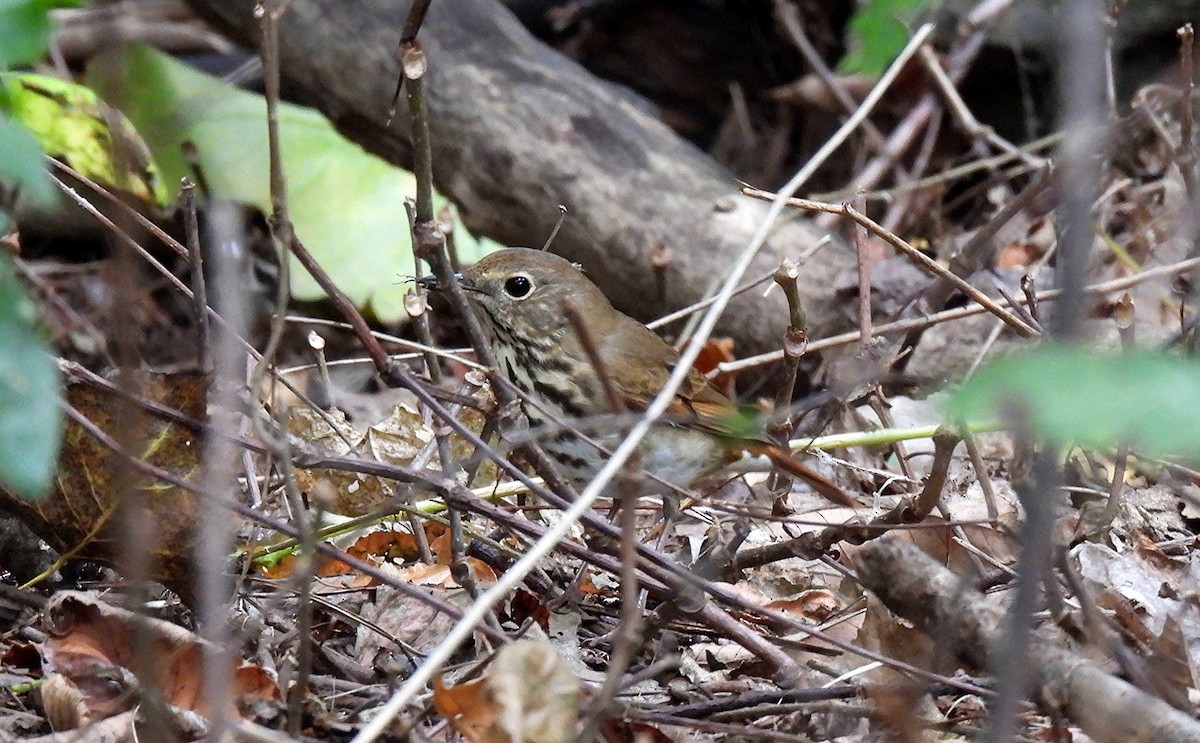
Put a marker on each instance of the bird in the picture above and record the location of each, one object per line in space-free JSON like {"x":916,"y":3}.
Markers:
{"x":525,"y":297}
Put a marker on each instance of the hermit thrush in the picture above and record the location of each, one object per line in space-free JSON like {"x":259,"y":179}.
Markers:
{"x":522,"y":296}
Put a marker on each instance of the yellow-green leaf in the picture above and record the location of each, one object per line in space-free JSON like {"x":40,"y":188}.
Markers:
{"x":71,"y":123}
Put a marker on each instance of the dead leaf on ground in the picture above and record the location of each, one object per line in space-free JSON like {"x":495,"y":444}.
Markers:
{"x":527,"y":695}
{"x":396,"y":440}
{"x":815,"y":604}
{"x":620,"y":731}
{"x":713,"y":353}
{"x":338,"y":491}
{"x":1145,"y":588}
{"x":374,"y":548}
{"x":93,"y":647}
{"x":398,"y":624}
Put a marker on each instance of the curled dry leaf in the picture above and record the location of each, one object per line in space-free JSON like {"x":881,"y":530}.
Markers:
{"x":375,"y":548}
{"x":527,"y":695}
{"x":816,"y":604}
{"x":397,"y":440}
{"x":338,"y":491}
{"x":1143,"y":588}
{"x":91,"y":646}
{"x":65,"y":705}
{"x":714,"y":353}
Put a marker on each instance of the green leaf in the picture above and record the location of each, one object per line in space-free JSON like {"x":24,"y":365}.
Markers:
{"x":1068,"y":394}
{"x":24,"y":31}
{"x":31,"y":422}
{"x":877,"y":33}
{"x":22,"y":164}
{"x":346,"y":205}
{"x":72,"y":124}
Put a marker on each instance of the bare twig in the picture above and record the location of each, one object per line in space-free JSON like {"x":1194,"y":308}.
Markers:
{"x":215,"y":531}
{"x":970,"y":125}
{"x":903,"y":326}
{"x":187,"y":202}
{"x":789,"y":17}
{"x":1186,"y":154}
{"x":864,"y":277}
{"x":283,"y":237}
{"x":922,"y":260}
{"x":795,"y":343}
{"x":1124,"y":316}
{"x":629,"y":626}
{"x":981,"y":474}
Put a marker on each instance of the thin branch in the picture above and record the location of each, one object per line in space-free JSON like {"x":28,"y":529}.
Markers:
{"x":1186,"y":154}
{"x":923,"y":261}
{"x":903,"y":326}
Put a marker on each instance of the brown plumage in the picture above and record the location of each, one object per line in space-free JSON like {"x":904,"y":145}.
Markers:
{"x":521,"y":294}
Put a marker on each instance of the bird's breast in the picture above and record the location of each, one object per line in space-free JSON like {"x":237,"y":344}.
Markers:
{"x":557,"y":385}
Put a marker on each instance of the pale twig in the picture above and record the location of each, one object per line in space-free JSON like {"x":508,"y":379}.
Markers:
{"x":981,"y":474}
{"x":1186,"y":153}
{"x":958,"y":313}
{"x":282,"y":237}
{"x":949,"y":175}
{"x":187,"y":202}
{"x":795,"y":344}
{"x":922,"y":260}
{"x":1081,"y":90}
{"x":454,"y":354}
{"x":704,"y":304}
{"x":962,"y":113}
{"x":864,"y":279}
{"x":789,"y":18}
{"x":1124,"y":316}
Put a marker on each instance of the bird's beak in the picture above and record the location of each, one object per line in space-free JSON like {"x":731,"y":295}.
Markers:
{"x":431,"y":283}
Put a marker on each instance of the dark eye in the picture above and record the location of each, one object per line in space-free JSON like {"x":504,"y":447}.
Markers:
{"x":518,"y":287}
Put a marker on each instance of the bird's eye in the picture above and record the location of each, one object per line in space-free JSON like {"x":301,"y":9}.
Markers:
{"x":518,"y":287}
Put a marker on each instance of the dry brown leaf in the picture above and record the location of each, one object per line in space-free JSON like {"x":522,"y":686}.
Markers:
{"x":1145,"y":588}
{"x":64,"y":704}
{"x":400,"y":437}
{"x":403,"y":618}
{"x":395,"y":440}
{"x":524,"y":606}
{"x":713,"y":353}
{"x":815,"y":604}
{"x":437,"y":574}
{"x":528,"y":695}
{"x":92,"y":647}
{"x":467,"y":707}
{"x":1170,"y":671}
{"x":620,"y":731}
{"x":374,"y":548}
{"x":338,"y":491}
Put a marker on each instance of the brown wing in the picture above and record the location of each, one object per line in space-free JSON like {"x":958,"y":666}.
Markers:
{"x":641,"y":363}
